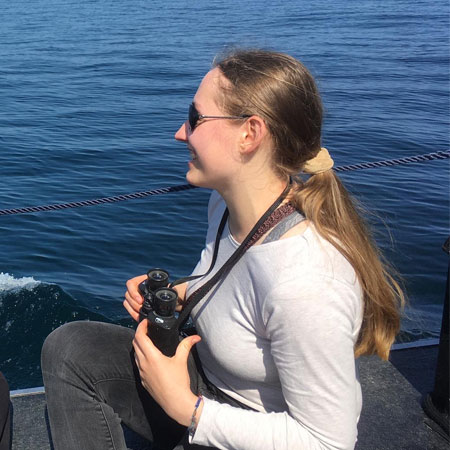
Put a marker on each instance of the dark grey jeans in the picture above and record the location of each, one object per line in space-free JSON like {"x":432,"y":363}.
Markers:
{"x":92,"y":385}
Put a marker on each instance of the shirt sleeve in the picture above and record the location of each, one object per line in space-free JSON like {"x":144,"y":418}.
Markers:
{"x":312,"y":327}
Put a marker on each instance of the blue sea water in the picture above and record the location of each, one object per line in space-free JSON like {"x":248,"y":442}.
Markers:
{"x":92,"y":92}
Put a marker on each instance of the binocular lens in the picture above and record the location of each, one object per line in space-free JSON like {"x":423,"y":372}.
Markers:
{"x":165,"y":302}
{"x":157,"y":278}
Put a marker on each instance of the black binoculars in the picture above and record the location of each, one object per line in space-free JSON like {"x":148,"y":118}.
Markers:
{"x":158,"y":308}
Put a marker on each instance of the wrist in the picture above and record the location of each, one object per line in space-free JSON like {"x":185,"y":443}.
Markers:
{"x":185,"y":413}
{"x":195,"y":417}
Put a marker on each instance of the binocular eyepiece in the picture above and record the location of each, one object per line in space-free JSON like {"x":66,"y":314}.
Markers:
{"x":158,"y":297}
{"x":156,"y":278}
{"x":158,"y":308}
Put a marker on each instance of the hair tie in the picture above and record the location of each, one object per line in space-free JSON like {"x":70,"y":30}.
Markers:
{"x":320,"y":163}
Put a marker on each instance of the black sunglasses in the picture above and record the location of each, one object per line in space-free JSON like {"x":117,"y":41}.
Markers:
{"x":194,"y":117}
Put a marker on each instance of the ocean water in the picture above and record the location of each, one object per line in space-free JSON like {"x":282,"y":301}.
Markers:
{"x":92,"y":92}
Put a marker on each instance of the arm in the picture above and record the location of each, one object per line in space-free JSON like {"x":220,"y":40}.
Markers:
{"x":312,"y":327}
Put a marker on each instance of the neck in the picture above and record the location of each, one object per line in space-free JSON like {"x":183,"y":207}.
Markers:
{"x":247,"y":202}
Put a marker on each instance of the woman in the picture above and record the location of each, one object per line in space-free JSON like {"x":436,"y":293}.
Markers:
{"x":278,"y":336}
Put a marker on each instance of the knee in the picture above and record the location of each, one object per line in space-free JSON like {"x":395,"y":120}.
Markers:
{"x":61,"y":345}
{"x":85,"y":343}
{"x":51,"y":348}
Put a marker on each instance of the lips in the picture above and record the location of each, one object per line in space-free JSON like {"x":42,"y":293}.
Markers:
{"x":192,"y":152}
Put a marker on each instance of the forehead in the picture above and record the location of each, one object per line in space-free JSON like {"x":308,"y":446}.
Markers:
{"x":211,"y":79}
{"x":209,"y":87}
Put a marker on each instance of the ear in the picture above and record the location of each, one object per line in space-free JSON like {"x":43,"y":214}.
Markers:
{"x":253,"y":133}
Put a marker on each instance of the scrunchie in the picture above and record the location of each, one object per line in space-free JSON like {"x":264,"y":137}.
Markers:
{"x":320,"y":163}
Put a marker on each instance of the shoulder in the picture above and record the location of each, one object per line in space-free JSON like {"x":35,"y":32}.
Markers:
{"x":302,"y":259}
{"x":314,"y":299}
{"x":316,"y":283}
{"x":324,"y":261}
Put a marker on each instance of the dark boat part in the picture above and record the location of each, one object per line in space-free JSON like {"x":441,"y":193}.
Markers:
{"x":5,"y":415}
{"x":436,"y":403}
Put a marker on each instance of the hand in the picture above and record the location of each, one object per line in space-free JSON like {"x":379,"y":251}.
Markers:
{"x":133,"y":299}
{"x":181,"y":291}
{"x":166,"y":379}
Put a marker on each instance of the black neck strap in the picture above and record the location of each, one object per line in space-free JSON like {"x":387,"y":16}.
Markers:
{"x":197,"y":295}
{"x":214,"y":258}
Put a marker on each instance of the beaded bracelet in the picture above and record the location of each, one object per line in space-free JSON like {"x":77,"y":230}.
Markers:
{"x":193,"y":426}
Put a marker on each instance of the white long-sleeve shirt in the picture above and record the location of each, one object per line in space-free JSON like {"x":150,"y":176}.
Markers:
{"x":278,"y":334}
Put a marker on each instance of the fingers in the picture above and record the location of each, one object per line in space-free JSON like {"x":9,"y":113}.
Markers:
{"x":133,"y":299}
{"x":133,"y":288}
{"x":144,"y":346}
{"x":140,"y":337}
{"x":138,"y":344}
{"x":146,"y":355}
{"x":133,"y":283}
{"x":131,"y":311}
{"x":142,"y":342}
{"x":181,"y":291}
{"x":185,"y":346}
{"x":141,"y":329}
{"x":132,"y":306}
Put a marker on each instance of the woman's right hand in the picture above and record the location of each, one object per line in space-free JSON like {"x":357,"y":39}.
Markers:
{"x":133,"y":299}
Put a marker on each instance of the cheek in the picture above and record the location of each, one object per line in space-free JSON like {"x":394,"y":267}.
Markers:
{"x":215,"y":144}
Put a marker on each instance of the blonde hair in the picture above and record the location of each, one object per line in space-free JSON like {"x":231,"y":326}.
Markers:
{"x":279,"y":89}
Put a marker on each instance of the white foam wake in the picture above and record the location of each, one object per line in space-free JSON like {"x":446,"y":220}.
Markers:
{"x":8,"y":282}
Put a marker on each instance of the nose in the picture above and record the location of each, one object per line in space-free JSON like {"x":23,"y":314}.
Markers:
{"x":181,"y":134}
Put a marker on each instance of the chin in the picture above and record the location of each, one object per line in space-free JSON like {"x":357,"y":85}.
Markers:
{"x":196,"y":179}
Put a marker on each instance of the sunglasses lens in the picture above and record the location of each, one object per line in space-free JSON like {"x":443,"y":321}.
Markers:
{"x":193,"y":117}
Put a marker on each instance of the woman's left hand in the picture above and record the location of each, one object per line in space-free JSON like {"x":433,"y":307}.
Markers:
{"x":166,"y":379}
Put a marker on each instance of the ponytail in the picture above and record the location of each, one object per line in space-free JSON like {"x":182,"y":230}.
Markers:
{"x":325,"y":201}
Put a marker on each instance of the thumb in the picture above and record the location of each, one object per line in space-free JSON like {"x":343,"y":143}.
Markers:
{"x":185,"y":346}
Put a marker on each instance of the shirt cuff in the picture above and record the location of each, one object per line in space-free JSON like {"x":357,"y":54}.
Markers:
{"x":204,"y":425}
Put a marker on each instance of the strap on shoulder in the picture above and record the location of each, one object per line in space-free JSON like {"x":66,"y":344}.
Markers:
{"x":283,"y":226}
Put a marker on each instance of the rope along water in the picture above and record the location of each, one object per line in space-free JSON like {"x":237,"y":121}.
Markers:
{"x":184,"y":187}
{"x":394,"y":162}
